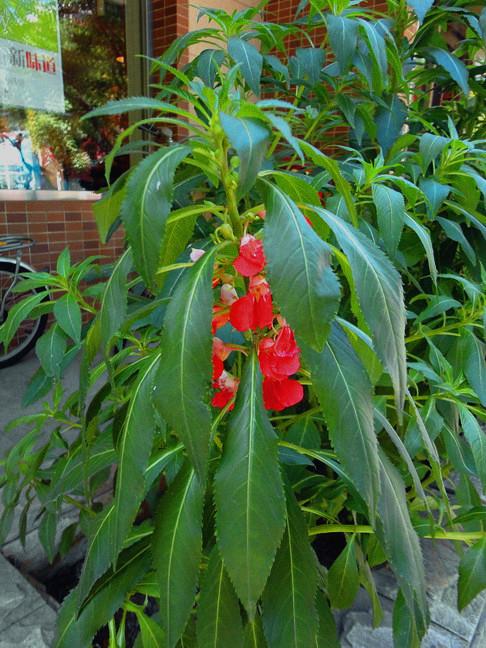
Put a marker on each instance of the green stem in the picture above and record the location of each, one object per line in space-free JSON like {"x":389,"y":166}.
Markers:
{"x":366,"y":529}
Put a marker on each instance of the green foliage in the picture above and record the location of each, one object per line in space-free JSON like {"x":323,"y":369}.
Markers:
{"x":370,"y":249}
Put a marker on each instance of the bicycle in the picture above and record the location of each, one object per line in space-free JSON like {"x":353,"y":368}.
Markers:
{"x":13,"y":269}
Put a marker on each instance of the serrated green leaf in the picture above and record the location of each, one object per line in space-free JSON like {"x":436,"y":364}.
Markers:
{"x":250,"y":507}
{"x":299,"y":270}
{"x":472,"y":574}
{"x":68,"y":316}
{"x":249,"y":138}
{"x":133,"y":449}
{"x":345,"y":393}
{"x":146,"y":207}
{"x":249,"y":59}
{"x":404,"y":630}
{"x":177,"y":545}
{"x":63,"y":263}
{"x":435,"y":192}
{"x":343,"y":37}
{"x":401,"y":544}
{"x":390,"y":211}
{"x":75,"y":628}
{"x":455,"y":233}
{"x":380,"y":294}
{"x":50,"y":349}
{"x":185,"y":368}
{"x":289,"y":611}
{"x":218,"y":618}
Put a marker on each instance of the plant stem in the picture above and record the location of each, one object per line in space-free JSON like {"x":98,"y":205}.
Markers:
{"x":364,"y":528}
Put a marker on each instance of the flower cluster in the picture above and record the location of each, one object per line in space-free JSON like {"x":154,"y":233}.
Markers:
{"x":278,"y":353}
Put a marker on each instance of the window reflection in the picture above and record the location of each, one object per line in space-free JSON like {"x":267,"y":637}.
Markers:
{"x":42,"y":149}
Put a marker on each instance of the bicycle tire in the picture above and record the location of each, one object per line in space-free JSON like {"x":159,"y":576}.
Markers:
{"x":16,"y":354}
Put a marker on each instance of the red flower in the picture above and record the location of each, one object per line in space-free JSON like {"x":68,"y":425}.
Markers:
{"x":220,"y":317}
{"x":280,"y":394}
{"x":220,"y":353}
{"x":251,"y":259}
{"x":228,"y":386}
{"x":255,"y":309}
{"x":279,"y":358}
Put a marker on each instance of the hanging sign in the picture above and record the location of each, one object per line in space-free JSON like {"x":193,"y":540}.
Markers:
{"x":30,"y":55}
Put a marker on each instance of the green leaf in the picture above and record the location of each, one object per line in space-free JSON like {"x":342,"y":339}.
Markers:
{"x":50,"y":349}
{"x":380,"y":294}
{"x":177,"y":544}
{"x":208,"y":63}
{"x":18,"y":314}
{"x":249,"y":138}
{"x":63,"y":264}
{"x":430,"y":147}
{"x":130,"y":104}
{"x":76,"y":629}
{"x":401,"y":544}
{"x":254,"y":637}
{"x":454,"y":232}
{"x":185,"y":367}
{"x":453,"y":65}
{"x":99,"y":555}
{"x":404,"y":630}
{"x":250,"y":507}
{"x":307,"y":64}
{"x":472,"y":353}
{"x":107,"y":209}
{"x":421,"y":7}
{"x":47,"y":534}
{"x":343,"y":37}
{"x":151,"y":633}
{"x":389,"y":122}
{"x":472,"y":574}
{"x":390,"y":210}
{"x":299,"y":270}
{"x":70,"y":473}
{"x":250,"y":60}
{"x":133,"y":449}
{"x":114,"y":303}
{"x":218,"y":618}
{"x":332,"y":167}
{"x":424,"y":236}
{"x":476,"y":438}
{"x":327,"y":636}
{"x":68,"y":316}
{"x":289,"y":610}
{"x":345,"y":394}
{"x":343,"y":577}
{"x":435,"y":193}
{"x":146,"y":207}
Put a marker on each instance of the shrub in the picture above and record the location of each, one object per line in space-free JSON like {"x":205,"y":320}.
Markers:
{"x":290,"y":345}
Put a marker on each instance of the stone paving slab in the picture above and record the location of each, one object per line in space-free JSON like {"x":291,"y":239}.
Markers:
{"x":26,"y":620}
{"x":449,"y":628}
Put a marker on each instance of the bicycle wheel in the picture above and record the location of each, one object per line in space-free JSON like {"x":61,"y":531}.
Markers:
{"x":30,"y":329}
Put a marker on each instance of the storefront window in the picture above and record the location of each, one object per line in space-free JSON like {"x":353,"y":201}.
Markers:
{"x":58,"y":60}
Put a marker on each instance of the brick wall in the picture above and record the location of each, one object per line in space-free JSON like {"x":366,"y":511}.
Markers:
{"x":55,"y":225}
